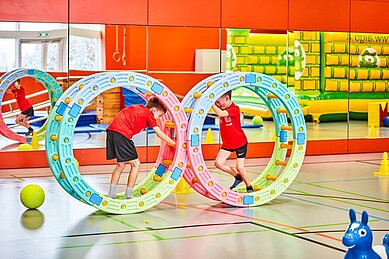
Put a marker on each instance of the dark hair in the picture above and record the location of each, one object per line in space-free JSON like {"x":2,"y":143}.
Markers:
{"x":18,"y":80}
{"x":229,"y":93}
{"x":156,"y":103}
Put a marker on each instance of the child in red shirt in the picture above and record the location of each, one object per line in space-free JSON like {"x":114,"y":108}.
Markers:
{"x":127,"y":123}
{"x":24,"y":105}
{"x":234,"y":140}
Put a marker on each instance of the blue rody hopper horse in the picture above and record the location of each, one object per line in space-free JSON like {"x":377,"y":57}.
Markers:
{"x":358,"y":239}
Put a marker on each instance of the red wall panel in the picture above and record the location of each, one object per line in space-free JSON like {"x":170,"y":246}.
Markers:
{"x":34,"y":11}
{"x":185,"y":13}
{"x":263,"y":14}
{"x":108,"y":12}
{"x":330,"y":15}
{"x":173,"y":48}
{"x":135,"y":47}
{"x":369,"y":16}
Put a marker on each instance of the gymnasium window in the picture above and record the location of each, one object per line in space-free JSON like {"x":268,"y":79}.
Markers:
{"x":45,"y":46}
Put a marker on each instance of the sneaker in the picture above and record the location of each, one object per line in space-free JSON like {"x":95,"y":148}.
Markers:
{"x":29,"y":133}
{"x":238,"y":180}
{"x":249,"y":189}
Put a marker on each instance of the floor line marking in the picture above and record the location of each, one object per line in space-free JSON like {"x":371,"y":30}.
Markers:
{"x":300,"y":237}
{"x":342,"y":191}
{"x":253,"y":218}
{"x":335,"y":207}
{"x":335,"y":197}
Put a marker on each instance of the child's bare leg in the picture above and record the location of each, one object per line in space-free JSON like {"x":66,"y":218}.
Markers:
{"x":25,"y":121}
{"x":135,"y":165}
{"x":20,"y":120}
{"x":115,"y":178}
{"x":242,"y":171}
{"x":220,"y":162}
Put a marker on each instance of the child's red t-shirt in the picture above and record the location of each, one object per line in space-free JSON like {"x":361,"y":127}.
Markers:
{"x":132,"y":120}
{"x":20,"y":96}
{"x":231,"y":130}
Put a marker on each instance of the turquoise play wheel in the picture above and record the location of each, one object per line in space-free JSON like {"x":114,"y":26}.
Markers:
{"x":161,"y":180}
{"x":281,"y":171}
{"x":53,"y":89}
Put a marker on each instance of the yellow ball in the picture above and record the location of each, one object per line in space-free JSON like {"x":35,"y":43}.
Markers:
{"x":24,"y":147}
{"x":257,"y":120}
{"x":32,"y":196}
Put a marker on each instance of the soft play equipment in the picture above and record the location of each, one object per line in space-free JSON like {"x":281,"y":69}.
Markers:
{"x":280,"y":172}
{"x":171,"y":162}
{"x":358,"y":238}
{"x":59,"y":148}
{"x":335,"y":75}
{"x":52,"y":87}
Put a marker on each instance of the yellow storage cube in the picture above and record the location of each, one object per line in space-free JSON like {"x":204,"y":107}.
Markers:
{"x":344,"y":59}
{"x":355,"y":87}
{"x":310,"y":35}
{"x":239,"y":39}
{"x":343,"y":85}
{"x":332,"y":59}
{"x":264,"y":60}
{"x":259,"y":69}
{"x":274,"y":59}
{"x":331,"y":85}
{"x":297,"y":35}
{"x":315,"y":72}
{"x":252,"y":59}
{"x":367,"y":87}
{"x":353,"y":49}
{"x":375,"y":73}
{"x":362,"y":73}
{"x":245,"y":68}
{"x":259,"y":49}
{"x":380,"y":86}
{"x":244,"y":49}
{"x":270,"y":70}
{"x":339,"y":72}
{"x":311,"y":59}
{"x":327,"y":72}
{"x":385,"y":73}
{"x":328,"y":48}
{"x":354,"y":61}
{"x":309,"y":85}
{"x":315,"y":47}
{"x":270,"y":50}
{"x":340,"y":47}
{"x":383,"y":62}
{"x":240,"y":60}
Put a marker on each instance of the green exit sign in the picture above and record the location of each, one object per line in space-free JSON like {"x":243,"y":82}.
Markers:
{"x":43,"y":34}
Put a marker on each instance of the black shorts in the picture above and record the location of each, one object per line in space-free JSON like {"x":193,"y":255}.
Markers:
{"x":240,"y":152}
{"x":120,"y":147}
{"x":29,"y":112}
